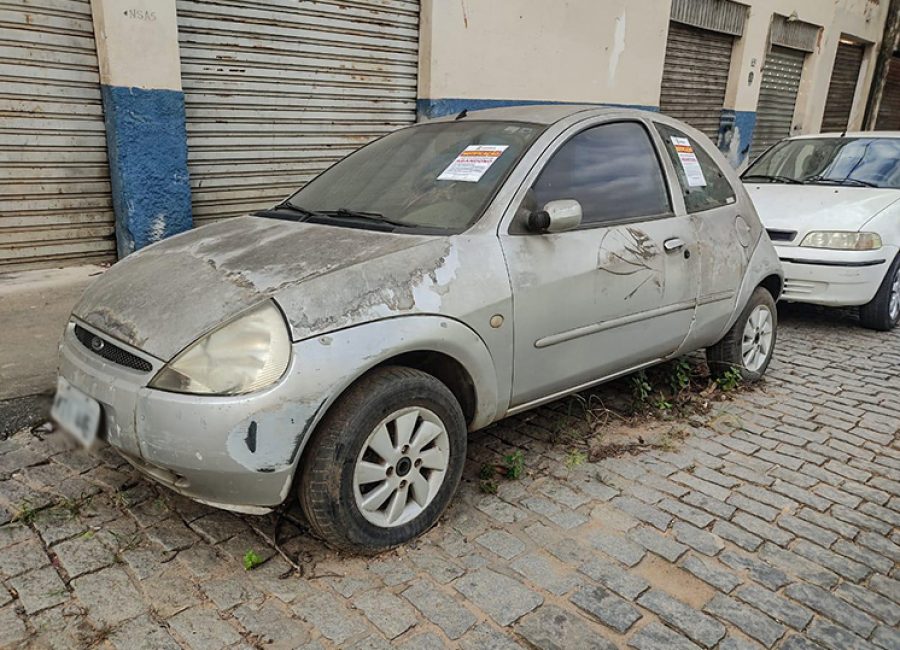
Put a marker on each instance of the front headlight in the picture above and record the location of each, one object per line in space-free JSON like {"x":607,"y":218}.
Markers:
{"x":858,"y":241}
{"x":246,"y":354}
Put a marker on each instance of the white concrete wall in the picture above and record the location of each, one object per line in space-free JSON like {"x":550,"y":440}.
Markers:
{"x":612,"y":51}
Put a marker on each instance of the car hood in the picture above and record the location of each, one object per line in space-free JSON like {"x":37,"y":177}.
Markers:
{"x":162,"y":298}
{"x":818,"y":207}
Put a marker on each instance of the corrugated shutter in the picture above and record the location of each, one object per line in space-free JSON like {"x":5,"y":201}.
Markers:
{"x":695,"y":76}
{"x":777,"y":97}
{"x":844,"y":79}
{"x":55,"y":200}
{"x":889,"y":111}
{"x":278,"y":90}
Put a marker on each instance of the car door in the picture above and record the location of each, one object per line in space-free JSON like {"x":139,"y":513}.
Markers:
{"x":725,"y":236}
{"x":612,"y":294}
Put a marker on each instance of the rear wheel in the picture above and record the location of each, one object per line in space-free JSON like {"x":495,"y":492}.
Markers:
{"x":385,"y":462}
{"x":748,"y":346}
{"x":883,"y":311}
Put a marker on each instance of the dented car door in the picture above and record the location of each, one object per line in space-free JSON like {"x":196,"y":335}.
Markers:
{"x":617,"y":292}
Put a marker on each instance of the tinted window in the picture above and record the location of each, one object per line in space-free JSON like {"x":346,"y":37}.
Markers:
{"x":831,"y":161}
{"x":705,"y":191}
{"x":612,"y":170}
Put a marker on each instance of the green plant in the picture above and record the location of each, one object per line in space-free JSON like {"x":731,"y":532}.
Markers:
{"x":25,"y":513}
{"x":488,"y":486}
{"x":575,"y":458}
{"x":680,"y":375}
{"x":515,"y":464}
{"x":641,"y":388}
{"x":662,"y":403}
{"x":729,"y":380}
{"x":251,"y":560}
{"x":487,"y":472}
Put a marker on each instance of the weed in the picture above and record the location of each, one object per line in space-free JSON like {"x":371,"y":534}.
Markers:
{"x":25,"y":513}
{"x":730,"y":380}
{"x":487,"y":472}
{"x":641,"y":388}
{"x":488,"y":486}
{"x":662,"y":403}
{"x":575,"y":458}
{"x":515,"y":464}
{"x":680,"y":375}
{"x":251,"y":560}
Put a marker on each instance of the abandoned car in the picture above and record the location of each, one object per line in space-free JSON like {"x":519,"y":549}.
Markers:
{"x":340,"y":345}
{"x":831,"y":204}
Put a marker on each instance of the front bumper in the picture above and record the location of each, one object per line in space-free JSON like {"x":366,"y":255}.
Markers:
{"x":236,"y":452}
{"x":831,"y":277}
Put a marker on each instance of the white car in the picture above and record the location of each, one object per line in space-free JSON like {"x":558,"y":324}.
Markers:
{"x":831,"y":205}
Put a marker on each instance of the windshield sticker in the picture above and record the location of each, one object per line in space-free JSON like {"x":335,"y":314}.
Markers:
{"x":689,"y":162}
{"x":472,"y":163}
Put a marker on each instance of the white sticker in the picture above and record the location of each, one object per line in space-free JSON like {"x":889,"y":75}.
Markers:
{"x":472,"y":163}
{"x":689,"y":162}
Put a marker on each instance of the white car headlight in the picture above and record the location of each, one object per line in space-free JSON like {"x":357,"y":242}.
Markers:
{"x":859,"y":241}
{"x":246,"y":354}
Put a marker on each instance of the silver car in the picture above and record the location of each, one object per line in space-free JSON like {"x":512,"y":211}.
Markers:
{"x":340,"y":345}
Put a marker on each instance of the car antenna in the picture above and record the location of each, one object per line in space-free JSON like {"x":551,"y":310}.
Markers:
{"x":462,"y":114}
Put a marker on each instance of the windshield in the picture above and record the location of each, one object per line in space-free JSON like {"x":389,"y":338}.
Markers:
{"x":855,"y":162}
{"x":434,"y":176}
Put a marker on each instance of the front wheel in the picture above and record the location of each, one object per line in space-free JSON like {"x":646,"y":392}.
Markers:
{"x":883,"y":311}
{"x":384,"y":462}
{"x":748,"y":345}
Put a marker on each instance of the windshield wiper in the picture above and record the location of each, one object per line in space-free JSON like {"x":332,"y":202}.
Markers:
{"x":366,"y":216}
{"x":772,"y":178}
{"x":821,"y":180}
{"x":278,"y":211}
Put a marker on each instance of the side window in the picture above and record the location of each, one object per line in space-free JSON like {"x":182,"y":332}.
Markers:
{"x":702,"y":182}
{"x":612,"y":170}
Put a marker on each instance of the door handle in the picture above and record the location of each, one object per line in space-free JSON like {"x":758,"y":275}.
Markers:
{"x":674,"y":244}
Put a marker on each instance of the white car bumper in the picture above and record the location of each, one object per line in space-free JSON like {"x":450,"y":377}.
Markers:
{"x":832,"y":277}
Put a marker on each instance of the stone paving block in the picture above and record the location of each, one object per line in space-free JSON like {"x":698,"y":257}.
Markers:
{"x":327,"y":615}
{"x":780,"y":609}
{"x":12,"y":629}
{"x":687,"y":513}
{"x":109,"y":596}
{"x":439,"y":608}
{"x":218,"y":527}
{"x":272,"y":625}
{"x":797,"y":642}
{"x":737,"y":535}
{"x":747,"y":619}
{"x":22,"y":557}
{"x":501,"y":543}
{"x":751,"y":506}
{"x":710,"y":504}
{"x":828,"y":522}
{"x":439,"y":568}
{"x":142,"y":633}
{"x":389,"y":614}
{"x":832,"y":607}
{"x":563,"y":494}
{"x":662,"y":545}
{"x":202,"y":628}
{"x":628,"y":585}
{"x":880,"y":545}
{"x":540,"y":571}
{"x":553,"y":628}
{"x":807,"y":530}
{"x":643,"y":512}
{"x":870,"y":602}
{"x":863,"y":555}
{"x":606,"y":607}
{"x":760,"y":571}
{"x":793,"y":564}
{"x":655,"y":636}
{"x":843,"y":566}
{"x":485,"y":637}
{"x":82,"y":555}
{"x":861,"y":520}
{"x":887,"y":587}
{"x":618,"y":547}
{"x":697,"y":626}
{"x":835,"y":637}
{"x":711,"y":572}
{"x":764,"y":529}
{"x":505,"y":600}
{"x":171,"y":535}
{"x":699,"y":540}
{"x":887,"y":638}
{"x":704,"y":487}
{"x":39,"y":589}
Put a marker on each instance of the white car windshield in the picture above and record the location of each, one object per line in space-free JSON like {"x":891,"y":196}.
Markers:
{"x":854,"y":162}
{"x":437,"y":177}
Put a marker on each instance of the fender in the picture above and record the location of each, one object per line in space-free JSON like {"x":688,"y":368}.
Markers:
{"x":763,"y":263}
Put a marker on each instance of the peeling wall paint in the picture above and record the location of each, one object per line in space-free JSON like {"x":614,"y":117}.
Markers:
{"x":618,"y":48}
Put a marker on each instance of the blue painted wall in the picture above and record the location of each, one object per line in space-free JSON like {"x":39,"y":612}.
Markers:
{"x":147,"y":144}
{"x":431,"y":108}
{"x":736,"y":134}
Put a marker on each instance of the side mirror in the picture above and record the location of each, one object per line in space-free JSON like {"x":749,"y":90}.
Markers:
{"x":556,"y":216}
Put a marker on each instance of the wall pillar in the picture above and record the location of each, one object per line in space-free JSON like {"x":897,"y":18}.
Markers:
{"x":143,"y":104}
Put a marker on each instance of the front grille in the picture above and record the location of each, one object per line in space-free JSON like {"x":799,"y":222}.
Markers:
{"x":109,"y":351}
{"x":781,"y":235}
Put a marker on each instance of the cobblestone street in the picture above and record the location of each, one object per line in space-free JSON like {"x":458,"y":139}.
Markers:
{"x":773,"y":524}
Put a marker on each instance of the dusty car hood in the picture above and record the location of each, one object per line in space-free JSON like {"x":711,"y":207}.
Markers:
{"x":164,"y":297}
{"x":818,"y":207}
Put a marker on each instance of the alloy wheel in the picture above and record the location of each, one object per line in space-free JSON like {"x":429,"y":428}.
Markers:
{"x":401,"y":467}
{"x":894,"y":299}
{"x":756,"y":343}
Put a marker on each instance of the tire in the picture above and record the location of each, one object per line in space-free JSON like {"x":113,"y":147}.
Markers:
{"x":334,"y":483}
{"x":728,"y":353}
{"x":882,"y":313}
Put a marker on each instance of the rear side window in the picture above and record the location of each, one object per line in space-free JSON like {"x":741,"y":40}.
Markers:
{"x":704,"y":188}
{"x":612,"y":170}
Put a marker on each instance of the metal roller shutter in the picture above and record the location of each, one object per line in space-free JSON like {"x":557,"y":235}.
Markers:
{"x":844,"y":79}
{"x":278,"y":90}
{"x":695,"y":76}
{"x":889,"y":111}
{"x":55,"y":199}
{"x":777,"y":97}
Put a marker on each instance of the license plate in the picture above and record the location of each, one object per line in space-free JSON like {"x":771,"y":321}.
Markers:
{"x":76,"y":412}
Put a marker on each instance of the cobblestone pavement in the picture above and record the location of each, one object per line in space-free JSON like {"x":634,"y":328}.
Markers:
{"x":774,"y":524}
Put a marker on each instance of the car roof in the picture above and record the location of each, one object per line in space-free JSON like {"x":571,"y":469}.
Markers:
{"x":851,"y":134}
{"x":540,"y":113}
